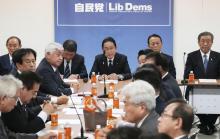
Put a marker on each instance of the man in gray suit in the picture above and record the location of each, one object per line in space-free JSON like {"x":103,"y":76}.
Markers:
{"x":9,"y":93}
{"x":139,"y":98}
{"x":176,"y":119}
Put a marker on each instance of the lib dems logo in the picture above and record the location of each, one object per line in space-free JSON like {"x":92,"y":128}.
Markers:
{"x":111,"y":7}
{"x":128,"y":7}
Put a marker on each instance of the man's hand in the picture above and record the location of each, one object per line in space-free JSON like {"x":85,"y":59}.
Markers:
{"x":74,"y":76}
{"x":49,"y":108}
{"x":101,"y":77}
{"x":62,"y":99}
{"x":113,"y":76}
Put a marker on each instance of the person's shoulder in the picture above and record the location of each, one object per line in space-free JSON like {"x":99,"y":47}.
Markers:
{"x":167,"y":56}
{"x":215,"y":53}
{"x":4,"y":56}
{"x":120,"y":55}
{"x":79,"y":56}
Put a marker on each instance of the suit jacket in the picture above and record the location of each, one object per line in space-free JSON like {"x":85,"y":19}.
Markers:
{"x":166,"y":94}
{"x":22,"y":120}
{"x":120,"y":66}
{"x":170,"y":81}
{"x":5,"y":133}
{"x":5,"y":64}
{"x":52,"y":82}
{"x":194,"y":63}
{"x":172,"y":69}
{"x":149,"y":125}
{"x":77,"y":66}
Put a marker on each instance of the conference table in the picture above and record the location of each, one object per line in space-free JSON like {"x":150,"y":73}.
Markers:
{"x":67,"y":114}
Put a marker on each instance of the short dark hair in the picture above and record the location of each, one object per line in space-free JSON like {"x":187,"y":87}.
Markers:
{"x":13,"y":37}
{"x":183,"y":111}
{"x":70,"y":45}
{"x":109,"y":39}
{"x":150,"y":74}
{"x":125,"y":132}
{"x":29,"y":78}
{"x":144,"y":52}
{"x":20,"y":53}
{"x":205,"y":33}
{"x":159,"y":59}
{"x":153,"y":35}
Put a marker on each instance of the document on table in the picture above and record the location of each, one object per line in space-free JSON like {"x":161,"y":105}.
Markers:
{"x":208,"y":81}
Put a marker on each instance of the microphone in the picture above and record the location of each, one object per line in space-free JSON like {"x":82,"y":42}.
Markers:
{"x":184,"y":81}
{"x":105,"y":92}
{"x":81,"y":130}
{"x":85,"y":80}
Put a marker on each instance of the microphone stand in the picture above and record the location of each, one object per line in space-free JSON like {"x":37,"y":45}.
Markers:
{"x":105,"y":92}
{"x":81,"y":130}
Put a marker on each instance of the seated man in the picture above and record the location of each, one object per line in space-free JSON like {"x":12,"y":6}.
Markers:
{"x":139,"y":100}
{"x":155,"y":43}
{"x":25,"y":60}
{"x":110,"y":64}
{"x":162,"y":64}
{"x":73,"y":63}
{"x":9,"y":92}
{"x":176,"y":119}
{"x":6,"y":64}
{"x":21,"y":118}
{"x":142,"y":56}
{"x":48,"y":69}
{"x":205,"y":64}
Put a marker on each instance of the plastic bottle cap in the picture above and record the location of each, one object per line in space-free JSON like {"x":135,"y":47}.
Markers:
{"x":98,"y":126}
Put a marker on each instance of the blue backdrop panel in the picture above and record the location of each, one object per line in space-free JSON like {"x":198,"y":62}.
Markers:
{"x":130,"y":22}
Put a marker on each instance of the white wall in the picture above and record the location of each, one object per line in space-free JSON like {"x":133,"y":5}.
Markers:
{"x":32,"y":21}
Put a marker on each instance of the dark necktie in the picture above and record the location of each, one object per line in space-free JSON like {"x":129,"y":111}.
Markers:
{"x":110,"y":63}
{"x":205,"y":61}
{"x":67,"y":70}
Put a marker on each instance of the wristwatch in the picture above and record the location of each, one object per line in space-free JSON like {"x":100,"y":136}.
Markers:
{"x":120,"y":77}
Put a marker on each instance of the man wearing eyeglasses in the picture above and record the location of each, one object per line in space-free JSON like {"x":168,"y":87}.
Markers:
{"x":21,"y":118}
{"x":9,"y":92}
{"x":176,"y":119}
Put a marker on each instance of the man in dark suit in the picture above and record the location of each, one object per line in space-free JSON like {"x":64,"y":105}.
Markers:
{"x":111,"y":64}
{"x":25,"y":60}
{"x":161,"y":63}
{"x":21,"y":118}
{"x":48,"y":69}
{"x":155,"y":43}
{"x":205,"y":64}
{"x":176,"y":119}
{"x":73,"y":66}
{"x":8,"y":98}
{"x":151,"y":74}
{"x":6,"y":65}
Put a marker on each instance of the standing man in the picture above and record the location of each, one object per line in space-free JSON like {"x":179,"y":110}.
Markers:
{"x":110,"y":64}
{"x":73,"y":64}
{"x":6,"y":64}
{"x":52,"y":82}
{"x":205,"y":64}
{"x":176,"y":119}
{"x":155,"y":43}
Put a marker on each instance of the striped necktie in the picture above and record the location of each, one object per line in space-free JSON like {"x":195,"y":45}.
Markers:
{"x":67,"y":70}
